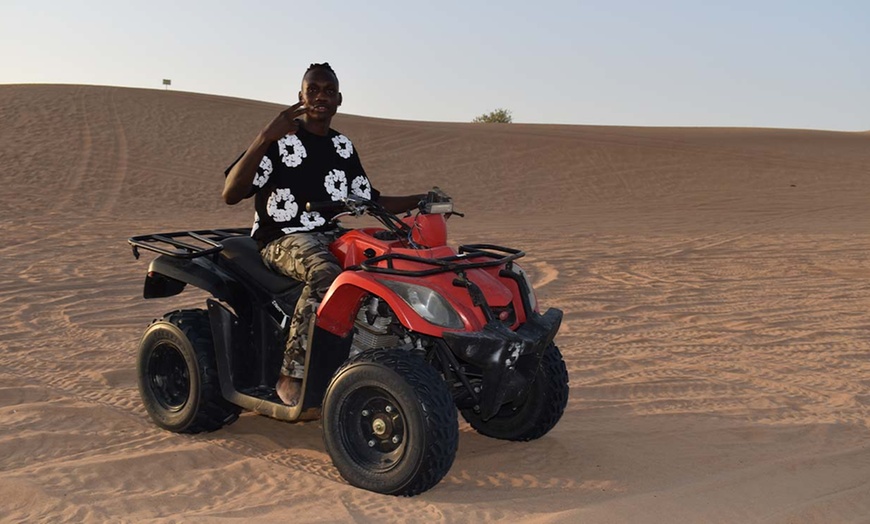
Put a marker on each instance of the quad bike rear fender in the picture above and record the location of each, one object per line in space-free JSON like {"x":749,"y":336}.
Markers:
{"x":168,"y":276}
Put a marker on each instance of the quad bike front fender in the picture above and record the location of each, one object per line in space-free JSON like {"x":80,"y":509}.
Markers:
{"x":338,"y":310}
{"x":508,"y":359}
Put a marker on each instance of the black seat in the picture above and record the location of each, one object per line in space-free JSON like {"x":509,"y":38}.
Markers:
{"x":242,"y":255}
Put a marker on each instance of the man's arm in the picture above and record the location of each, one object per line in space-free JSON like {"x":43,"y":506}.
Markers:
{"x":241,"y":176}
{"x":399,"y":204}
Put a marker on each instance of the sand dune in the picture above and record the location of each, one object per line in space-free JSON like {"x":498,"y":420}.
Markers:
{"x":715,"y":284}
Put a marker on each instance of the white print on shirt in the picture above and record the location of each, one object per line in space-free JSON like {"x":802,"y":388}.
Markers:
{"x":262,"y":176}
{"x":361,"y":187}
{"x":309,"y":221}
{"x":312,"y":219}
{"x":256,"y":223}
{"x":343,"y":146}
{"x":282,"y":205}
{"x":336,"y":184}
{"x":294,"y":156}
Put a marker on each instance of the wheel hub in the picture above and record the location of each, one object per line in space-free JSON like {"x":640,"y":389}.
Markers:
{"x":379,"y":427}
{"x":169,"y":377}
{"x":381,"y":424}
{"x":376,"y":437}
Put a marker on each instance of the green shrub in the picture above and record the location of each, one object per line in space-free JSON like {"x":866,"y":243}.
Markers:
{"x":499,"y":116}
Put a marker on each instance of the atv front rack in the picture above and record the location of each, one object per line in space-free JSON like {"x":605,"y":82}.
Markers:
{"x":186,"y":244}
{"x":494,"y":256}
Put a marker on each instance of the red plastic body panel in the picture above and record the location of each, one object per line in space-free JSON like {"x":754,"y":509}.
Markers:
{"x":339,"y":307}
{"x":428,"y":230}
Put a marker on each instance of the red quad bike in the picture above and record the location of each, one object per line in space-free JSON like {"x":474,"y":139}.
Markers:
{"x":409,"y":332}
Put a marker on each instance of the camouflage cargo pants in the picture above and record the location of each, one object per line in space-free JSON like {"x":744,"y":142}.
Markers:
{"x":304,"y":257}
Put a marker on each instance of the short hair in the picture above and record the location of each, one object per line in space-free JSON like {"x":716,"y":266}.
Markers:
{"x":324,"y":65}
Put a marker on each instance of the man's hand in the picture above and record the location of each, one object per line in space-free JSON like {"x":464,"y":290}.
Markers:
{"x":284,"y":124}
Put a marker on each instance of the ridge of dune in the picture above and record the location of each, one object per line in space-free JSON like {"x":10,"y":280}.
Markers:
{"x":714,"y":283}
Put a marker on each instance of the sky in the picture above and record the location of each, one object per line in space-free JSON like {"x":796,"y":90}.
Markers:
{"x":789,"y":64}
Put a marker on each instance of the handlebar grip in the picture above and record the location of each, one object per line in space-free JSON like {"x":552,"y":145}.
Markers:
{"x":331,"y":206}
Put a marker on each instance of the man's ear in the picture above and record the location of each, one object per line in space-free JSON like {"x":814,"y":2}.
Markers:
{"x":300,"y":96}
{"x":339,"y":99}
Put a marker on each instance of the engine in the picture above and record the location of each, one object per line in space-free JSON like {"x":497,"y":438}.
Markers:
{"x":372,"y":328}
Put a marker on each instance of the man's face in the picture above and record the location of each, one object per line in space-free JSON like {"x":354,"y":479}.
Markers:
{"x":320,"y":94}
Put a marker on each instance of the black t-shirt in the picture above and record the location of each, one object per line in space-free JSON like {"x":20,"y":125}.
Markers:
{"x":300,"y":168}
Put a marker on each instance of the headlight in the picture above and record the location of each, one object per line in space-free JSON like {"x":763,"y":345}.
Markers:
{"x":427,"y":303}
{"x":533,"y":301}
{"x":438,"y":207}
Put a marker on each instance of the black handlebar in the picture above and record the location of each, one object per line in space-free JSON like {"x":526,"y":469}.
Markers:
{"x":356,"y":205}
{"x":328,"y":207}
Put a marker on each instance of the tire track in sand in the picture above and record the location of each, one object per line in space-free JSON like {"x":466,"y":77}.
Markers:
{"x":81,"y":169}
{"x":725,"y":237}
{"x":80,"y":386}
{"x":544,"y":274}
{"x":115,"y":181}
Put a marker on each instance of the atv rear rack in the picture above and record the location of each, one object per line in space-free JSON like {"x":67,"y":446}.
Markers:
{"x":455,"y":263}
{"x":207,"y":242}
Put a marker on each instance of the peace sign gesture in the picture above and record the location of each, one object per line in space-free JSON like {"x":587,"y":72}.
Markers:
{"x":285,"y":123}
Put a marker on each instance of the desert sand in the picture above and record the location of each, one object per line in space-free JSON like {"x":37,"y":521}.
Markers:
{"x":715,"y":283}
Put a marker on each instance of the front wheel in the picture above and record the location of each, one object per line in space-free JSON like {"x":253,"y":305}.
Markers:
{"x":538,"y":412}
{"x":389,"y":423}
{"x":178,"y":378}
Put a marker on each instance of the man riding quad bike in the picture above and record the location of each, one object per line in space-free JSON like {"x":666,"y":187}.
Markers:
{"x":410,"y":331}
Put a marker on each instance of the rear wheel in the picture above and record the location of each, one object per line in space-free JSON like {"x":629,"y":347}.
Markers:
{"x":533,"y":416}
{"x":178,"y":378}
{"x":389,"y":423}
